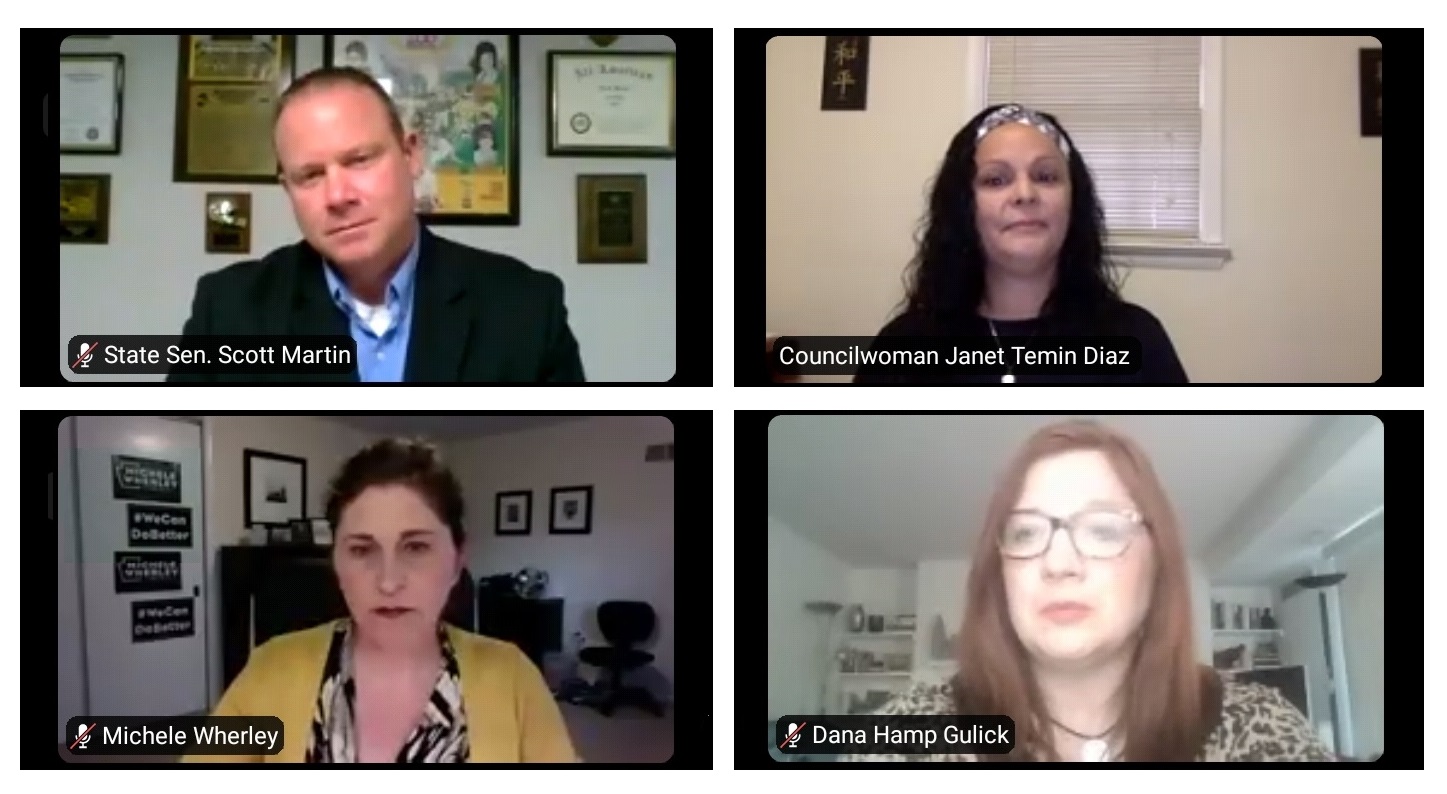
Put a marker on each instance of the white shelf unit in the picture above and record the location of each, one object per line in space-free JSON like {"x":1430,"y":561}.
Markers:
{"x":884,"y":592}
{"x":1229,"y":636}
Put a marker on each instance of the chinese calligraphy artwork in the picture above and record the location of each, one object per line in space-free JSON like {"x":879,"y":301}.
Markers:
{"x":1371,"y":79}
{"x":846,"y":72}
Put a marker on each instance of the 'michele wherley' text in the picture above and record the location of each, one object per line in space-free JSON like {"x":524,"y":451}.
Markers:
{"x":207,"y":736}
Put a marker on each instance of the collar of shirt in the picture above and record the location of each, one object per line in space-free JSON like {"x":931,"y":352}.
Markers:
{"x":398,"y":295}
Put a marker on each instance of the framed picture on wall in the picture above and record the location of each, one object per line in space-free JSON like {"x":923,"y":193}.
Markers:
{"x":514,"y":514}
{"x":459,"y":95}
{"x":612,"y":104}
{"x":275,"y":487}
{"x":90,"y":102}
{"x":572,"y":511}
{"x":227,"y":87}
{"x":85,"y":208}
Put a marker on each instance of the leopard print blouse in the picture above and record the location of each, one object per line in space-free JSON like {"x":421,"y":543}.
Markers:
{"x":1255,"y":723}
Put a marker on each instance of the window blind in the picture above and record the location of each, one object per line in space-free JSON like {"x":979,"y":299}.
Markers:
{"x":1132,"y":105}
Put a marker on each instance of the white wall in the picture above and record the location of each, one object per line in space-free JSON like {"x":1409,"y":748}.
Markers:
{"x":1302,"y":205}
{"x":940,"y":596}
{"x":883,"y":591}
{"x":628,"y":556}
{"x":324,"y":444}
{"x":1301,"y":643}
{"x":799,"y":571}
{"x":142,"y":282}
{"x":70,"y":644}
{"x":1363,"y":613}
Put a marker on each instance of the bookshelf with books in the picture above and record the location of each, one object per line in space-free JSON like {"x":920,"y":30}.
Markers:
{"x":1245,"y":634}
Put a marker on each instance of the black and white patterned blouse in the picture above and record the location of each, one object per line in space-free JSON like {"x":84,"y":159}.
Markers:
{"x":441,"y":736}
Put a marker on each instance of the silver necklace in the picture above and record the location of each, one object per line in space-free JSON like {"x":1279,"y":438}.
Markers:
{"x":1009,"y":376}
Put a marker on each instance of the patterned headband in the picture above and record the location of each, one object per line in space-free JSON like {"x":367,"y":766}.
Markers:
{"x":1022,"y":115}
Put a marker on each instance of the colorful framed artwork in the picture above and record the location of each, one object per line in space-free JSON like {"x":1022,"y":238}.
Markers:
{"x":459,"y":95}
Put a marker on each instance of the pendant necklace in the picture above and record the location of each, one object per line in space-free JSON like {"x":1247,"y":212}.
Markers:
{"x":1096,"y":748}
{"x":1009,"y":376}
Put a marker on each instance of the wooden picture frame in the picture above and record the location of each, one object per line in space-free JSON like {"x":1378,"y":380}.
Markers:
{"x":92,"y":89}
{"x":612,"y":218}
{"x":85,"y":208}
{"x":612,"y":103}
{"x":466,"y":118}
{"x":227,"y":87}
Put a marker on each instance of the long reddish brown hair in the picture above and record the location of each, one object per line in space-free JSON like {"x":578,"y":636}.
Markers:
{"x":1170,"y":696}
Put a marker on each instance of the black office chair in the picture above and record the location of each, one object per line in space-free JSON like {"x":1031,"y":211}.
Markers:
{"x":624,"y":624}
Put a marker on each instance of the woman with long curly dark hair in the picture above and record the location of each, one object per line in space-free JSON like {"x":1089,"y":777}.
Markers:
{"x":1014,"y":246}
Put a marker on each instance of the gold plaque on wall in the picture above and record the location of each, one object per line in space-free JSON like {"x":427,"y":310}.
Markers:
{"x":85,"y":208}
{"x":228,"y":223}
{"x":226,"y":92}
{"x":612,"y":218}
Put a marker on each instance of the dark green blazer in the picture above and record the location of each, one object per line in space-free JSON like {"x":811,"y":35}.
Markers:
{"x":477,"y":317}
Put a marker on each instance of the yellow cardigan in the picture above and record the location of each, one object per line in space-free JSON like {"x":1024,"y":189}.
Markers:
{"x":511,"y":716}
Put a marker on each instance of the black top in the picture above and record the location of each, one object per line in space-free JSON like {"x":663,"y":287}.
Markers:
{"x":1159,"y":363}
{"x":477,"y":316}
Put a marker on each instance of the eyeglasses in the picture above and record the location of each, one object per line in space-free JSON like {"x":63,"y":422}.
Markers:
{"x":1100,"y":534}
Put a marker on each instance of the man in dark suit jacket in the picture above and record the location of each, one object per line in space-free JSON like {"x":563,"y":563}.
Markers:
{"x":420,"y":308}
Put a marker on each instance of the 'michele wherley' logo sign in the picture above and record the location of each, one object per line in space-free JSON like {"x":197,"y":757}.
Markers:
{"x":147,"y":571}
{"x":158,"y":525}
{"x":143,"y":478}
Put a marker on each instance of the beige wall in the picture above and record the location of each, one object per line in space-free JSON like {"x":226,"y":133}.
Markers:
{"x":1299,"y":301}
{"x":628,"y":555}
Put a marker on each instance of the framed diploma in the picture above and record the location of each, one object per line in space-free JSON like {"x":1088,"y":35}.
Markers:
{"x":459,"y":95}
{"x":611,"y":104}
{"x":90,"y":103}
{"x":226,"y":92}
{"x":612,"y":218}
{"x":85,"y":208}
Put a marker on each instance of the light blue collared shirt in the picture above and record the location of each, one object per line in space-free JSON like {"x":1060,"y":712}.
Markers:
{"x":381,"y":354}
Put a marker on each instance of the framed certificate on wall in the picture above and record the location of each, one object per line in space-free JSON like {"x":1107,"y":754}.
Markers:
{"x":90,"y":103}
{"x":611,"y":104}
{"x":227,"y":88}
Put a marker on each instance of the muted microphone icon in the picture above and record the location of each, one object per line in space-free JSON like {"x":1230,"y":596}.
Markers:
{"x":793,"y":731}
{"x":82,"y":736}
